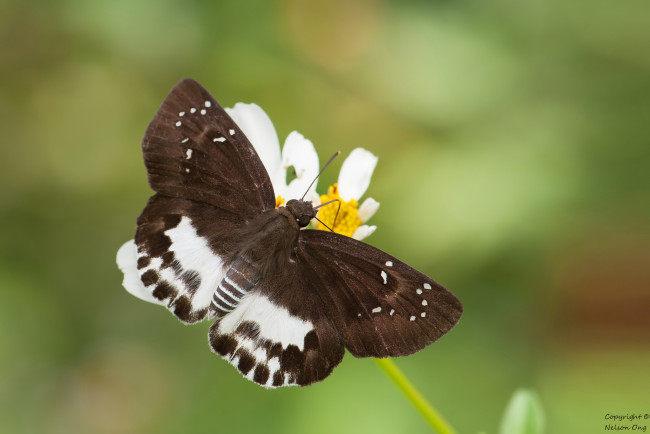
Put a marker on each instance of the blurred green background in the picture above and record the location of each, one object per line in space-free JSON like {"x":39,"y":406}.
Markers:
{"x":514,"y":152}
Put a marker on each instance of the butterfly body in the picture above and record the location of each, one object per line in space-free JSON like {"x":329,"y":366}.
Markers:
{"x":286,"y":300}
{"x":268,"y":245}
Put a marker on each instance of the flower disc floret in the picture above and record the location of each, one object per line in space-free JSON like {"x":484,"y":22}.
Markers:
{"x":347,"y":221}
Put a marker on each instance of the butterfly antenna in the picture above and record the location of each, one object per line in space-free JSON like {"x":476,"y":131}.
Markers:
{"x":337,"y":212}
{"x":327,"y":203}
{"x":321,"y":222}
{"x":335,"y":217}
{"x":336,"y":154}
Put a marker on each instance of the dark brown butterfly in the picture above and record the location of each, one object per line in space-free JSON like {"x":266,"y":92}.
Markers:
{"x":287,"y":300}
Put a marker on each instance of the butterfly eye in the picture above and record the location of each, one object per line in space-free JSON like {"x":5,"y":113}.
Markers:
{"x":303,"y":220}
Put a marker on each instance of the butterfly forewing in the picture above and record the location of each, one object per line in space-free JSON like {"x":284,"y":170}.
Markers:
{"x":209,"y":182}
{"x":381,"y":306}
{"x":193,"y":150}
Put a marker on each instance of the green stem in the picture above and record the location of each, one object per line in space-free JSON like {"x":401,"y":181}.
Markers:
{"x":416,"y":398}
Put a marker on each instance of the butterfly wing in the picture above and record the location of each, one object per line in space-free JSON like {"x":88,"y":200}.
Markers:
{"x":208,"y":180}
{"x":381,"y":306}
{"x":180,"y":253}
{"x":279,"y":334}
{"x":193,"y":150}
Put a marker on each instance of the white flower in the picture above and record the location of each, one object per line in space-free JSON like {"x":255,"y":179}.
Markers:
{"x":354,"y":179}
{"x":298,"y":152}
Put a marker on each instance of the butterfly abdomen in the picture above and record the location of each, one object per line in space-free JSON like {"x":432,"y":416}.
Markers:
{"x":240,"y":278}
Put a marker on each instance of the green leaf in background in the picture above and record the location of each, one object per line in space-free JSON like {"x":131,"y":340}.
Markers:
{"x":523,"y":414}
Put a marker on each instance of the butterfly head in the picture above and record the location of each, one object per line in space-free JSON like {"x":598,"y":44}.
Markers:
{"x":303,"y":211}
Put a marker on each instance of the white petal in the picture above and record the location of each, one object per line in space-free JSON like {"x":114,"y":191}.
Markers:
{"x":315,"y":198}
{"x":127,"y":261}
{"x":299,"y":153}
{"x":312,"y":197}
{"x":259,"y":130}
{"x":363,"y":231}
{"x":367,"y":209}
{"x":355,"y":174}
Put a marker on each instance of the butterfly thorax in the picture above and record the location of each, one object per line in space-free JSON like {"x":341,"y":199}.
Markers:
{"x":270,"y":238}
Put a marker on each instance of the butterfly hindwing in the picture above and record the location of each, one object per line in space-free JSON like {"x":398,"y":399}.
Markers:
{"x":279,"y":334}
{"x":193,"y":150}
{"x":180,"y":253}
{"x":381,"y":306}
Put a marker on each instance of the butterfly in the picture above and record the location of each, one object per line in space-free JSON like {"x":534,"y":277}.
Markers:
{"x":286,"y":300}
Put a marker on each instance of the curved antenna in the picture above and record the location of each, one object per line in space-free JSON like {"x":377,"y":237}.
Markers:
{"x":335,"y":217}
{"x":336,"y":154}
{"x":321,"y":222}
{"x":327,"y":203}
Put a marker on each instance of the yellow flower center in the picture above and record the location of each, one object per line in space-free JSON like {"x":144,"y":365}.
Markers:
{"x":279,"y":201}
{"x":347,"y":220}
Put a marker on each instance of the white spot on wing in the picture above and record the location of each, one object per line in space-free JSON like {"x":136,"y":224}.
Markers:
{"x":424,"y":303}
{"x":192,"y":110}
{"x":412,"y":318}
{"x":219,"y":139}
{"x":181,"y":114}
{"x":247,"y":344}
{"x":273,"y":364}
{"x":392,"y":311}
{"x":260,"y":355}
{"x":208,"y":104}
{"x":275,"y":322}
{"x":389,"y":263}
{"x":187,"y":170}
{"x":419,"y":291}
{"x":189,"y":154}
{"x":377,"y":309}
{"x":179,"y":123}
{"x":203,"y":111}
{"x":185,"y":140}
{"x":232,"y":132}
{"x":423,"y":314}
{"x":427,"y":286}
{"x":384,"y":276}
